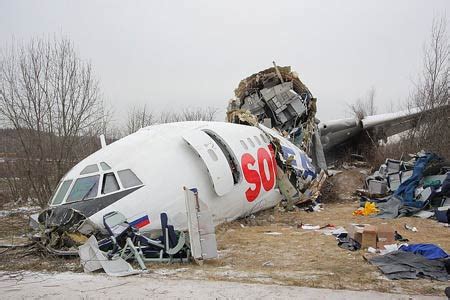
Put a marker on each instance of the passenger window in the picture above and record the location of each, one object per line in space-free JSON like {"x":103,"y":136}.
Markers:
{"x":251,"y":142}
{"x":244,"y":145}
{"x":59,"y":197}
{"x":264,"y":138}
{"x":84,"y":188}
{"x":257,"y":140}
{"x":105,"y":166}
{"x":89,"y":169}
{"x":213,"y":155}
{"x":128,"y":178}
{"x":109,"y":184}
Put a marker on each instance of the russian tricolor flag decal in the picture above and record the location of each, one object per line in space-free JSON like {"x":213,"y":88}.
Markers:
{"x":141,"y":222}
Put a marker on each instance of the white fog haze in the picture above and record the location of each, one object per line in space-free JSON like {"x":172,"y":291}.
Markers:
{"x":177,"y":54}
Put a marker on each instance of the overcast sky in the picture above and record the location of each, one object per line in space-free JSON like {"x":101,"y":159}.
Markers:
{"x":176,"y":54}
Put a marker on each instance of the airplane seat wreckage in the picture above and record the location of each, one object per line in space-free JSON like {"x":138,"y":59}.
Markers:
{"x":250,"y":163}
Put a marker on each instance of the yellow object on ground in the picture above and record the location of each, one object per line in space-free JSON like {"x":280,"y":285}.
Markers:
{"x":368,"y":209}
{"x":76,"y":237}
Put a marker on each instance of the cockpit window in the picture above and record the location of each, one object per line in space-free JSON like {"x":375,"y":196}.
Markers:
{"x":105,"y":166}
{"x":128,"y":178}
{"x":89,"y":169}
{"x":84,"y":188}
{"x":109,"y":183}
{"x":61,"y":192}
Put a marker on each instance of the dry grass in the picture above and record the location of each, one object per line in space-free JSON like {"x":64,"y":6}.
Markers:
{"x":14,"y":230}
{"x":306,"y":258}
{"x":296,"y":257}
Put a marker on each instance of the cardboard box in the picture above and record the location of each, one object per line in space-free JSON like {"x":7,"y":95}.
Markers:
{"x":364,"y":234}
{"x":369,"y":237}
{"x":355,"y":232}
{"x":385,"y":235}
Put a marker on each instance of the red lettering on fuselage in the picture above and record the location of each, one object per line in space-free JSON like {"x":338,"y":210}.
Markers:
{"x":258,"y":174}
{"x":267,"y":179}
{"x":251,"y":176}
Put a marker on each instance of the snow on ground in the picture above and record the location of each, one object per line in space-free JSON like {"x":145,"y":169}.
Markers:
{"x":32,"y":285}
{"x":20,"y":210}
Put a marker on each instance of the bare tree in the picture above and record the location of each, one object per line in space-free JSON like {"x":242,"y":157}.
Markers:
{"x":364,"y":106}
{"x":52,"y":100}
{"x":189,"y":114}
{"x":432,"y":91}
{"x":138,"y":118}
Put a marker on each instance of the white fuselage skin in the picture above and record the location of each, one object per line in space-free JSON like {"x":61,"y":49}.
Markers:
{"x":165,"y":162}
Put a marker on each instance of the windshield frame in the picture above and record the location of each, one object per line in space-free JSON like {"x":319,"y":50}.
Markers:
{"x":86,"y":195}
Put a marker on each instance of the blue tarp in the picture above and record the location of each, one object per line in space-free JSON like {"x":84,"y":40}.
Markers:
{"x":429,"y":251}
{"x":405,"y":192}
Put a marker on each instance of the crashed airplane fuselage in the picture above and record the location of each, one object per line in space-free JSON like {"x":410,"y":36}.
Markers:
{"x":233,"y":166}
{"x":237,"y":169}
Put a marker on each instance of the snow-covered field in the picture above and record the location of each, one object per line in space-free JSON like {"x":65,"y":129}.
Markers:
{"x":32,"y":285}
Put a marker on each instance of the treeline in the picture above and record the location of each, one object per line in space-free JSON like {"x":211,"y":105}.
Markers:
{"x":431,"y":132}
{"x":51,"y":104}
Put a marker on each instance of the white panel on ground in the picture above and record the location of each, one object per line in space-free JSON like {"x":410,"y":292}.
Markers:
{"x":92,"y":259}
{"x":201,"y":228}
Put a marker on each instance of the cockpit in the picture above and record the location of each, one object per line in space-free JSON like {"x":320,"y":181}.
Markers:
{"x":95,"y":180}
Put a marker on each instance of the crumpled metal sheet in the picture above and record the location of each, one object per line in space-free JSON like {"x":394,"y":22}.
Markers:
{"x":241,"y":116}
{"x":60,"y":220}
{"x":92,"y":259}
{"x":254,"y":81}
{"x":62,"y":230}
{"x":278,"y":95}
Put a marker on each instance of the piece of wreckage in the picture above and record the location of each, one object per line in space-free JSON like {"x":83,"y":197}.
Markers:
{"x":237,"y":169}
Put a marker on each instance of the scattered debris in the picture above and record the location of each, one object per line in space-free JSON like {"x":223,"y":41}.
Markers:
{"x":333,"y":172}
{"x":364,"y":234}
{"x":407,"y":265}
{"x":424,"y":214}
{"x":414,"y":187}
{"x":429,"y":251}
{"x":276,"y":98}
{"x":410,"y":228}
{"x":443,"y":214}
{"x":334,"y":231}
{"x":273,"y":233}
{"x":364,"y":172}
{"x":348,"y":243}
{"x":310,"y":227}
{"x":268,"y":264}
{"x":202,"y":237}
{"x":93,"y":259}
{"x":399,"y":237}
{"x":368,"y":209}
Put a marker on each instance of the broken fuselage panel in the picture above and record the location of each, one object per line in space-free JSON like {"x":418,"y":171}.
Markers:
{"x":142,"y":175}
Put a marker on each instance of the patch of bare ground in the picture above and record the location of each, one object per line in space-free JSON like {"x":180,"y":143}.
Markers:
{"x":14,"y":230}
{"x":293,"y":257}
